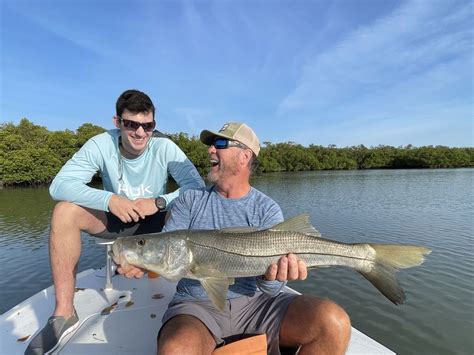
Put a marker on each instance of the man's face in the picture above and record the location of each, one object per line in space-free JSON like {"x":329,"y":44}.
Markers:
{"x":224,"y":163}
{"x":134,"y":140}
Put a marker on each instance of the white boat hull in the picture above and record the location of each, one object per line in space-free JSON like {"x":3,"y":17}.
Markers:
{"x":130,"y":327}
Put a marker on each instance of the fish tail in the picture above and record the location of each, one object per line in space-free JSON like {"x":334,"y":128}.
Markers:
{"x":388,"y":260}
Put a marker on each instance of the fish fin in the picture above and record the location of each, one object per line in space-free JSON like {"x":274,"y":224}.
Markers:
{"x":203,"y":272}
{"x":299,"y":224}
{"x":239,"y":230}
{"x":216,"y":289}
{"x":383,"y":278}
{"x":388,"y":259}
{"x":400,"y":256}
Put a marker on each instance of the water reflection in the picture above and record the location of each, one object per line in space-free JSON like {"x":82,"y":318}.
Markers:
{"x":25,"y":212}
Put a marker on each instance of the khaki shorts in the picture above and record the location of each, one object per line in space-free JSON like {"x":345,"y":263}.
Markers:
{"x":243,"y":317}
{"x":116,"y":228}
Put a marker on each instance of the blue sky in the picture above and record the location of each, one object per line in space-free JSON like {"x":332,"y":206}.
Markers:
{"x":342,"y":72}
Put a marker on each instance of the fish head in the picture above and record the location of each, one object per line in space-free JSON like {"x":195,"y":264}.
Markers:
{"x":158,"y":252}
{"x":138,"y":251}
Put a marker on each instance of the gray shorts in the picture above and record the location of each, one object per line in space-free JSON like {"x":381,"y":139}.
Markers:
{"x":116,"y":228}
{"x":243,"y":317}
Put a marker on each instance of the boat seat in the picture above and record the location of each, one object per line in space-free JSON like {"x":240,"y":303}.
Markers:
{"x":255,"y":345}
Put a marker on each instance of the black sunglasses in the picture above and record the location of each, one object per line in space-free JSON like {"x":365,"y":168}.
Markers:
{"x":224,"y":143}
{"x":134,"y":125}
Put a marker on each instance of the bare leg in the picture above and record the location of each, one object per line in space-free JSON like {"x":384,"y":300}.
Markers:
{"x":197,"y":338}
{"x":318,"y":326}
{"x":67,"y":222}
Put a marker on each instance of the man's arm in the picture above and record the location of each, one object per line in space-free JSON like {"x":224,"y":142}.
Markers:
{"x":182,"y":170}
{"x":70,"y":184}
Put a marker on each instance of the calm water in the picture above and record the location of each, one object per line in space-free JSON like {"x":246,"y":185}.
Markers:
{"x":434,"y":208}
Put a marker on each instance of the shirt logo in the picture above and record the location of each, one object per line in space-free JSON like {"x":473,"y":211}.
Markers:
{"x":139,"y":191}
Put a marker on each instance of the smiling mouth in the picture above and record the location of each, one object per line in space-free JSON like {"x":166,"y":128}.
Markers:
{"x":138,"y":140}
{"x":214,"y":162}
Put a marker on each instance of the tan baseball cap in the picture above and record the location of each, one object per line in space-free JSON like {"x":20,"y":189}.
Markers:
{"x":235,"y":131}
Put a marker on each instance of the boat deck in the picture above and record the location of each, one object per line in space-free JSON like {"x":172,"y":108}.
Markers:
{"x":123,"y":320}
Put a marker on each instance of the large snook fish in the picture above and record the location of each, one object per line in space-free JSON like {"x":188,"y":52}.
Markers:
{"x":216,"y":257}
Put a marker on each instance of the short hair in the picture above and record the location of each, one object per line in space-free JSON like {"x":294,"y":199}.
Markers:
{"x":253,"y":163}
{"x":134,"y":101}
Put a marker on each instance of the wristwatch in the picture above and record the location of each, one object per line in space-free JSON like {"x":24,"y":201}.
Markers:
{"x":160,"y":203}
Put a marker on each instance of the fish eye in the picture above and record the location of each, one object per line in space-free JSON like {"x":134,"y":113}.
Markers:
{"x":141,"y":242}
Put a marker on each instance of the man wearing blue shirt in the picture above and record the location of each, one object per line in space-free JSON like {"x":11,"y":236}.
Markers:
{"x":192,"y":324}
{"x":134,"y":166}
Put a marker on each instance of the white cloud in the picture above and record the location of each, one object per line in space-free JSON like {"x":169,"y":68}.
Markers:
{"x":410,"y":41}
{"x":405,"y":79}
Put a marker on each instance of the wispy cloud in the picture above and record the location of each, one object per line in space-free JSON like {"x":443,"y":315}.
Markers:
{"x":420,"y":127}
{"x":404,"y":67}
{"x":414,"y":39}
{"x":110,"y":38}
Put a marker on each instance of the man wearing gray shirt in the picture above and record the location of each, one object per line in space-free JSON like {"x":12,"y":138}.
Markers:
{"x":192,"y":325}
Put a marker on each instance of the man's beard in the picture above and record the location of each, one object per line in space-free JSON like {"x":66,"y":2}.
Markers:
{"x":225,"y":170}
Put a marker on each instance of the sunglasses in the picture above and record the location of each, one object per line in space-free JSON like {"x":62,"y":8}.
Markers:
{"x":224,"y":143}
{"x":134,"y":125}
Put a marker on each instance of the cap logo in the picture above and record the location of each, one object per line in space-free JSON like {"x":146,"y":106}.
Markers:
{"x":224,"y":127}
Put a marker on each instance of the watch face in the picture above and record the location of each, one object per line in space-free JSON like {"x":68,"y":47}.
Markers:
{"x":160,"y":203}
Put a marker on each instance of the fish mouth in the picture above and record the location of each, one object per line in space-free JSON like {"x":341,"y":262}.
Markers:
{"x":115,"y":253}
{"x":127,"y":258}
{"x":122,"y":256}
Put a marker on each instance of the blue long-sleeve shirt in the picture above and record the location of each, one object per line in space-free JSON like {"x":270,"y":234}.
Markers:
{"x":143,"y":177}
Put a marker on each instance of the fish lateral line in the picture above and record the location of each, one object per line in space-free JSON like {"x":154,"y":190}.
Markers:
{"x":222,"y":250}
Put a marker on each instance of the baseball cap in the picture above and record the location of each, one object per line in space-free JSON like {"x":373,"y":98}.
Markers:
{"x":235,"y":131}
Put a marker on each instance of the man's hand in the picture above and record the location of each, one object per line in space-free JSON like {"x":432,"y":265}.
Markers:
{"x":125,"y":209}
{"x":130,"y":271}
{"x":287,"y":268}
{"x":146,"y":206}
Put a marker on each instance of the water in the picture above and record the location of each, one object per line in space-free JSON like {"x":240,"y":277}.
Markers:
{"x":433,"y":208}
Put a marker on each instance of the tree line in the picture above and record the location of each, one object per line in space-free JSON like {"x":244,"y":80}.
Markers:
{"x":32,"y":155}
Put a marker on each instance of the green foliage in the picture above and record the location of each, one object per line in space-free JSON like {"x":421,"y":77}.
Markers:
{"x":31,"y":165}
{"x":30,"y":154}
{"x":24,"y":154}
{"x":287,"y":157}
{"x":64,"y":143}
{"x":87,"y":131}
